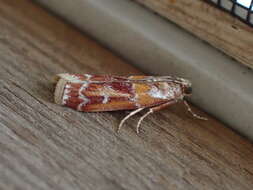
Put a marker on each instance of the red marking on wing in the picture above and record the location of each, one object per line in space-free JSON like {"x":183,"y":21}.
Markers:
{"x":117,"y":99}
{"x":101,"y":78}
{"x":122,"y":87}
{"x":107,"y":78}
{"x":93,"y":87}
{"x":73,"y":102}
{"x":95,"y":99}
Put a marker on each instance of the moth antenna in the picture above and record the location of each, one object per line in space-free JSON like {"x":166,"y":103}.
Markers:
{"x":141,"y":119}
{"x":128,"y":116}
{"x":193,"y":114}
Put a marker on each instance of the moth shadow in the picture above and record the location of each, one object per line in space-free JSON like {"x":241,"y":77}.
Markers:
{"x":41,"y":90}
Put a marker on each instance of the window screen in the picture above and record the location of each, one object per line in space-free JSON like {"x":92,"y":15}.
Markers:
{"x":242,"y":9}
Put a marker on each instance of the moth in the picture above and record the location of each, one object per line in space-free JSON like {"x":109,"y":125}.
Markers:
{"x":98,"y":93}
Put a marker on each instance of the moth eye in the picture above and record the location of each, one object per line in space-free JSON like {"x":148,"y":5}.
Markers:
{"x":188,"y":90}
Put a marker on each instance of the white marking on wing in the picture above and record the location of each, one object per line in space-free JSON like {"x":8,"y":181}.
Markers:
{"x":157,"y":93}
{"x":136,"y":97}
{"x":106,"y":98}
{"x":88,"y":76}
{"x":83,"y":97}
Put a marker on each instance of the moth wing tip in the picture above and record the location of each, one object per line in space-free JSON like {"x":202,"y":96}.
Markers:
{"x":59,"y":89}
{"x":57,"y":77}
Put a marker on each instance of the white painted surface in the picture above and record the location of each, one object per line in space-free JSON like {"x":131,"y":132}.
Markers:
{"x":221,"y":86}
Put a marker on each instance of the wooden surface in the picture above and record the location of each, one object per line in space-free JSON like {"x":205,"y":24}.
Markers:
{"x":209,"y":23}
{"x":46,"y":146}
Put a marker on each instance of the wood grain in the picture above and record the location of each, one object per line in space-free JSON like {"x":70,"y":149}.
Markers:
{"x":46,"y":146}
{"x":209,"y":23}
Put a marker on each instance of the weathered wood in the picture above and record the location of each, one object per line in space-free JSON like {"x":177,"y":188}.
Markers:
{"x":209,"y":23}
{"x":46,"y":146}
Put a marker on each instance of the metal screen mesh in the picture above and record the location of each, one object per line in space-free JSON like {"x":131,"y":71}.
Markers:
{"x":242,"y":9}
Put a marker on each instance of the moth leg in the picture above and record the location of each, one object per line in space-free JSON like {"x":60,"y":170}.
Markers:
{"x":193,"y":114}
{"x":128,"y":116}
{"x":141,"y":119}
{"x":152,"y":110}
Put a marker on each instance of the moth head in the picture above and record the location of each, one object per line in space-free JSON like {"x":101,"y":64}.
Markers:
{"x":187,"y":88}
{"x":188,"y":91}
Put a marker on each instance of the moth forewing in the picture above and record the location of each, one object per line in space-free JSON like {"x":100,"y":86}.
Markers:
{"x":96,"y":93}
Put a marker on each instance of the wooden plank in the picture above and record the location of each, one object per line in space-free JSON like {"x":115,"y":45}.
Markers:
{"x":46,"y":146}
{"x":209,"y":23}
